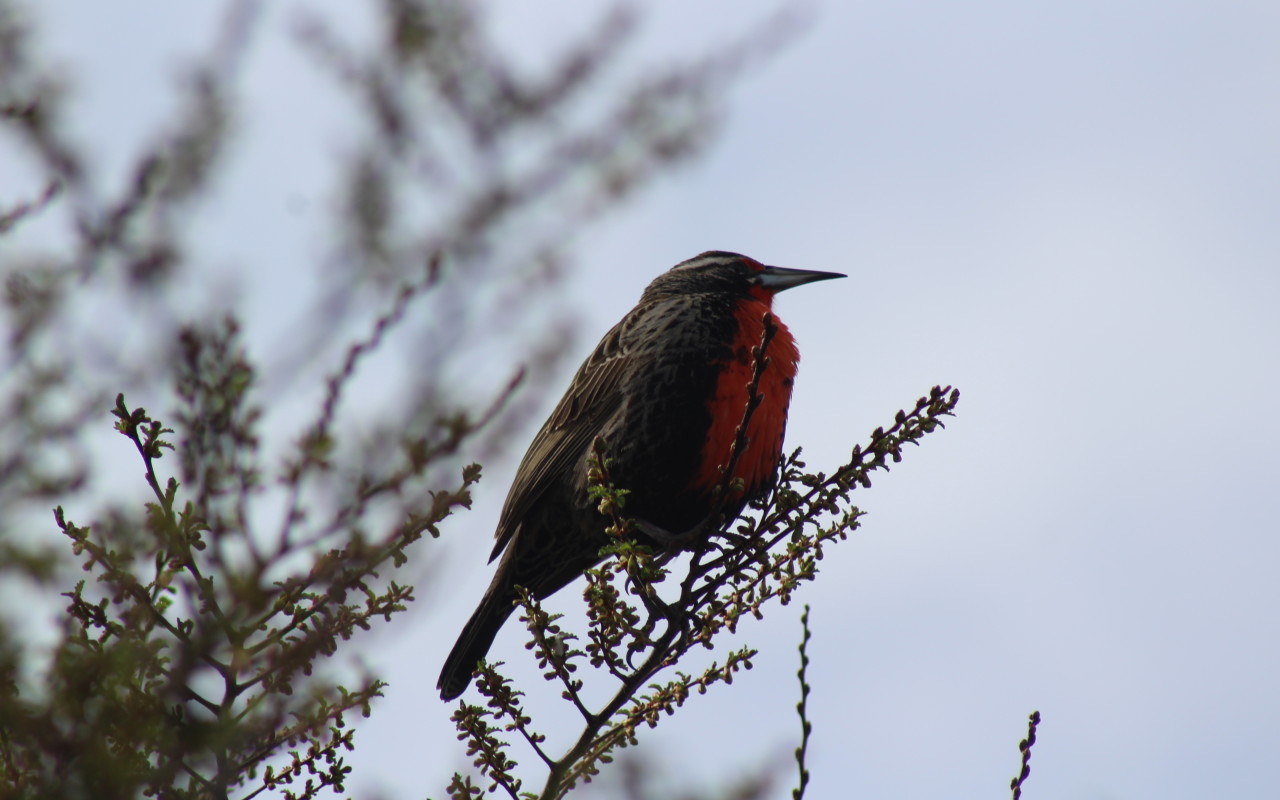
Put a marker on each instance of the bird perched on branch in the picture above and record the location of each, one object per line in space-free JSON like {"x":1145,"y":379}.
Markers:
{"x":665,"y":390}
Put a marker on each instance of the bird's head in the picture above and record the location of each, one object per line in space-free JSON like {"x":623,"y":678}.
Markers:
{"x":731,"y":274}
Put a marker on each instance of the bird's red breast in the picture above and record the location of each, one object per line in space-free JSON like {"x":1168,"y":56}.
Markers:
{"x":759,"y":459}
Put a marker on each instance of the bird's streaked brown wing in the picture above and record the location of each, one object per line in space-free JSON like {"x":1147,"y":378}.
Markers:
{"x":594,"y":395}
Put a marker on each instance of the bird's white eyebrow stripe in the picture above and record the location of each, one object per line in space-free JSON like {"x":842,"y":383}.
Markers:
{"x":710,"y":259}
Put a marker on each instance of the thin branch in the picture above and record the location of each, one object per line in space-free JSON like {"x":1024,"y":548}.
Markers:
{"x":25,"y":210}
{"x":802,"y":707}
{"x":1025,"y":747}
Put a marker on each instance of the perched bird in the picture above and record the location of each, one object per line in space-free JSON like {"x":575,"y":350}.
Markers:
{"x":665,"y":389}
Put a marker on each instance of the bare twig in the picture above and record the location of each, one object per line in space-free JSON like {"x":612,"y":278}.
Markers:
{"x":802,"y":707}
{"x":30,"y":208}
{"x":1025,"y":747}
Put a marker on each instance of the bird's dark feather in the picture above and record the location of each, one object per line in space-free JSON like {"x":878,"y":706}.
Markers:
{"x":593,"y":396}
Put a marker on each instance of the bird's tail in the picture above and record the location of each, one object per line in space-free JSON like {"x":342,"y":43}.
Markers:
{"x":475,"y":640}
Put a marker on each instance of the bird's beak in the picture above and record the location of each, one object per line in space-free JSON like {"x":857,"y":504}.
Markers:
{"x":776,"y":279}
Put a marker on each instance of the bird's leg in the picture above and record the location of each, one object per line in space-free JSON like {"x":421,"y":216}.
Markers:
{"x":672,"y":544}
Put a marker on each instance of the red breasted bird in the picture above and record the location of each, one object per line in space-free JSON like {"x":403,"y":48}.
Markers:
{"x":666,"y":390}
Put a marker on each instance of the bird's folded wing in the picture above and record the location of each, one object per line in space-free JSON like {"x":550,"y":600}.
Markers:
{"x":595,"y":394}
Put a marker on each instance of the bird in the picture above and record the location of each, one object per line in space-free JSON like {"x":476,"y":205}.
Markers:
{"x":664,"y":391}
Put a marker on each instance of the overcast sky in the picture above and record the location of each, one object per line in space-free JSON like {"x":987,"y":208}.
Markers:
{"x":1069,"y":210}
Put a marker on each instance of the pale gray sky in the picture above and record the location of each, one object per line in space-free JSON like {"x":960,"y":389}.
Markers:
{"x":1071,"y":211}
